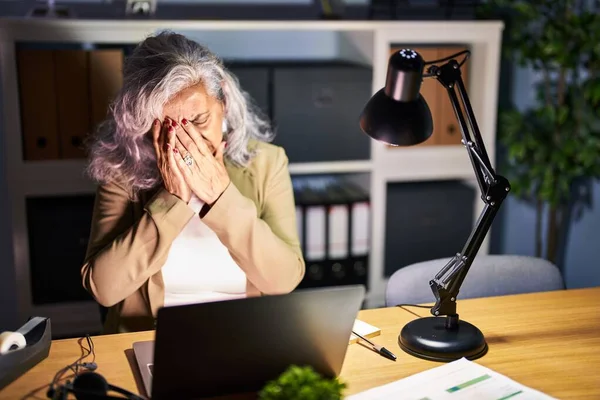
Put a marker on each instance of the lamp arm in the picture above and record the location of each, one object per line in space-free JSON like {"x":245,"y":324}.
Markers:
{"x":494,"y":189}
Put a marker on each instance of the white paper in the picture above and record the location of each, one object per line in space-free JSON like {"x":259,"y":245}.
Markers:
{"x":363,"y":329}
{"x":459,"y":380}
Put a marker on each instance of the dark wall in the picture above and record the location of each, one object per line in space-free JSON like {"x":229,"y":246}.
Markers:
{"x":8,"y":292}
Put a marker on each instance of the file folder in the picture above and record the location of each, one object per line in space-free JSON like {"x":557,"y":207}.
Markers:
{"x":72,"y":101}
{"x":311,"y":230}
{"x":37,"y":88}
{"x":106,"y":79}
{"x":338,"y":226}
{"x":360,"y":231}
{"x":333,"y":226}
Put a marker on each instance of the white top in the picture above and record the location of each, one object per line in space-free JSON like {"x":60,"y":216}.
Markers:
{"x":199,"y":267}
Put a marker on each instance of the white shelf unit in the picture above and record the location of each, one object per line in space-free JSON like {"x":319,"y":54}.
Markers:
{"x":366,"y":42}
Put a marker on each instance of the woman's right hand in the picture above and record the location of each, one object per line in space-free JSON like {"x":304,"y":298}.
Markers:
{"x":164,"y":143}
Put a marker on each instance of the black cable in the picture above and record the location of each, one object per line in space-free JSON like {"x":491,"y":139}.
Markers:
{"x":432,"y":71}
{"x":74,"y":366}
{"x":91,"y":349}
{"x":413,"y":305}
{"x":466,"y":52}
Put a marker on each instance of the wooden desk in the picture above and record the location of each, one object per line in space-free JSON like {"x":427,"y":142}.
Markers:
{"x":547,"y":341}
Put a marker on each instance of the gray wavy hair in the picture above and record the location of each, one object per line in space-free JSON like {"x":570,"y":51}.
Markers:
{"x":159,"y":68}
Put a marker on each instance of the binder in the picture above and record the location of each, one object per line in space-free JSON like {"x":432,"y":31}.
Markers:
{"x":338,"y":222}
{"x":72,"y":98}
{"x":360,"y":231}
{"x":63,"y":94}
{"x":333,"y":226}
{"x":37,"y":88}
{"x":106,"y":79}
{"x":338,"y":226}
{"x":311,"y":221}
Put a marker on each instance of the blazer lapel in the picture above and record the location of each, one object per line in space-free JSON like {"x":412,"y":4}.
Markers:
{"x":245,"y":181}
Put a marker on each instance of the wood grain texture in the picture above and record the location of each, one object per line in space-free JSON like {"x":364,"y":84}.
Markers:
{"x":547,"y":341}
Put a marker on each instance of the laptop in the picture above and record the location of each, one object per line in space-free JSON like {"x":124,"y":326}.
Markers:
{"x":237,"y":346}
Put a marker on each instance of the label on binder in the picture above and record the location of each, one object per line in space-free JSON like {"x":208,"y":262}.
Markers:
{"x":315,"y":233}
{"x":338,"y":232}
{"x":360,"y":229}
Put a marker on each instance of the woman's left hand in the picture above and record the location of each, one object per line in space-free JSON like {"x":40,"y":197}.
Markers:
{"x":203,"y":170}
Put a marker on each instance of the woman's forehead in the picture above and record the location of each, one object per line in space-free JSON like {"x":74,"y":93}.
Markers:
{"x":192,"y":100}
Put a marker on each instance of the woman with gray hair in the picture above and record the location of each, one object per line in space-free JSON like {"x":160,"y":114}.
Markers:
{"x":193,"y":203}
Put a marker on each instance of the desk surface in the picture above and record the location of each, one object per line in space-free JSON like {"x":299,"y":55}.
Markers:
{"x":547,"y":341}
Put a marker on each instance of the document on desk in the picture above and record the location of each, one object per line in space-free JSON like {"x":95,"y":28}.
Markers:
{"x":458,"y":380}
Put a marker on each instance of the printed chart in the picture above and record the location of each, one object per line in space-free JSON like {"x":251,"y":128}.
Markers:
{"x":458,"y":380}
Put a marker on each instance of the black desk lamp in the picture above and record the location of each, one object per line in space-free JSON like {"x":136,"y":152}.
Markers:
{"x":398,"y":115}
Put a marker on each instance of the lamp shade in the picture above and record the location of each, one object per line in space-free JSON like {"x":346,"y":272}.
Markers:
{"x":398,"y":114}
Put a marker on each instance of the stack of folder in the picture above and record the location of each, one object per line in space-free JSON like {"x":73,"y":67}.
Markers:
{"x":332,"y":215}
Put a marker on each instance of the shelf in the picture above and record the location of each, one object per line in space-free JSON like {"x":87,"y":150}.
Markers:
{"x":22,"y":28}
{"x":42,"y":178}
{"x":425,"y":163}
{"x":366,"y":43}
{"x":70,"y":318}
{"x":449,"y":162}
{"x":330,"y":167}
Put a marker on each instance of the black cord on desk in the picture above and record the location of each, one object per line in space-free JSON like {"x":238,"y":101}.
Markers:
{"x":413,"y":305}
{"x":76,"y":365}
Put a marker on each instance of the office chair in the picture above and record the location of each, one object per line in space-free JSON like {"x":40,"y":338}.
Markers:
{"x":490,"y":275}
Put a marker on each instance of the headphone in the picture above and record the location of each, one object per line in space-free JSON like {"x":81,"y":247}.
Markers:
{"x":87,"y":385}
{"x":90,"y":386}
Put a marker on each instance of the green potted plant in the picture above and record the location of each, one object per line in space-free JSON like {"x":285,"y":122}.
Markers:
{"x":302,"y":383}
{"x":556,"y":142}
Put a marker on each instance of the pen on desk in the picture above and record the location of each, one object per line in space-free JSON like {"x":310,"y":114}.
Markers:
{"x":380,"y":349}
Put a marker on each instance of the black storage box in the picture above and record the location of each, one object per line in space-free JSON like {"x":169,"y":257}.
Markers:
{"x":58,"y":229}
{"x":314,"y":105}
{"x":316,"y":109}
{"x":426,"y":220}
{"x":254,"y":78}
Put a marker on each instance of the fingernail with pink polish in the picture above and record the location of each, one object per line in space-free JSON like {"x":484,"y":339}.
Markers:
{"x":175,"y":151}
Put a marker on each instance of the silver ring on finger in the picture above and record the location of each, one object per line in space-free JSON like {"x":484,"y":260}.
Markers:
{"x":188,"y":160}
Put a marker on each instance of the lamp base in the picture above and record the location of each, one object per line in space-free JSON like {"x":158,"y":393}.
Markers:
{"x":430,"y":339}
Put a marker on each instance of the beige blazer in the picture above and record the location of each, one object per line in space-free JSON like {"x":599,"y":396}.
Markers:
{"x":129,"y":241}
